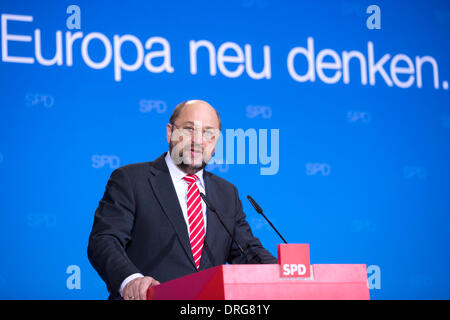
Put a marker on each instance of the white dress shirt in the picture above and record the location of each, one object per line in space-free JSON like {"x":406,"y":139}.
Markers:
{"x":181,"y":187}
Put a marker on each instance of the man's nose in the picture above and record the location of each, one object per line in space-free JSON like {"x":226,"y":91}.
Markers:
{"x":198,"y":136}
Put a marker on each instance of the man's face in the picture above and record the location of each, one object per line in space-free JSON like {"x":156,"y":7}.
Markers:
{"x":193,"y":137}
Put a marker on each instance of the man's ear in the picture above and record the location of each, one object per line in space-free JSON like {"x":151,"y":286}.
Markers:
{"x":168,"y":132}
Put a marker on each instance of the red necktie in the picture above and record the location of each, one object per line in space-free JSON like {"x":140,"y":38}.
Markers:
{"x":195,"y":218}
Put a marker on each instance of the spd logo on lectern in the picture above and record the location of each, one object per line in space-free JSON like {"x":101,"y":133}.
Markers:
{"x":294,"y":270}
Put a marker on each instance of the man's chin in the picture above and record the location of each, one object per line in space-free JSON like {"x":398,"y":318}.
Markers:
{"x":192,"y":168}
{"x":188,"y":163}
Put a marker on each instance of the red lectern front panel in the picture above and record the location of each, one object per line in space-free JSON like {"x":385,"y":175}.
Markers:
{"x":263,"y":282}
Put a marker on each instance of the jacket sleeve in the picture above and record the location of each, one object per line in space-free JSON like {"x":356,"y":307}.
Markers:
{"x":251,"y":245}
{"x":111,"y":231}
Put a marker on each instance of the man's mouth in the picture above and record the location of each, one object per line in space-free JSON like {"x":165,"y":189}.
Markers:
{"x":196,"y":152}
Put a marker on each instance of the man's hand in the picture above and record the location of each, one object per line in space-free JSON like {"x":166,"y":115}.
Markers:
{"x":136,"y":289}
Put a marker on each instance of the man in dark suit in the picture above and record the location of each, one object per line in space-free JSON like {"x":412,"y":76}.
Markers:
{"x":151,"y":225}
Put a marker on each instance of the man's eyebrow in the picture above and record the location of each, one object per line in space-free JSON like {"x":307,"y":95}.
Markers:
{"x":193,"y":123}
{"x":187,"y":122}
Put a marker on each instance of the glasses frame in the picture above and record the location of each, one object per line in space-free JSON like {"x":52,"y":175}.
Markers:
{"x":206,"y":133}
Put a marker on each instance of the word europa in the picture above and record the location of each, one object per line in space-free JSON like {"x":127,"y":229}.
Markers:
{"x":228,"y":309}
{"x":230,"y":58}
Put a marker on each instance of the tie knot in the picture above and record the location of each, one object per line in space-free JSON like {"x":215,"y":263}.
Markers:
{"x":190,"y":178}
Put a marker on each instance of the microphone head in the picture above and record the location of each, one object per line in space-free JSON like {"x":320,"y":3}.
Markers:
{"x":255,"y":205}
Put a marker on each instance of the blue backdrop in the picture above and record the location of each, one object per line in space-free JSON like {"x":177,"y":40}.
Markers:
{"x":355,"y":98}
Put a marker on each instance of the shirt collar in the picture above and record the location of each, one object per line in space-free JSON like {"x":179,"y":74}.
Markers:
{"x":177,"y":174}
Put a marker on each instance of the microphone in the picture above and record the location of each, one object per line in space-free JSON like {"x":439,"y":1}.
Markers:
{"x":260,"y":211}
{"x":210,"y":206}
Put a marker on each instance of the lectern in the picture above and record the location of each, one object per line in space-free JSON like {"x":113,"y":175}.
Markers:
{"x":269,"y":282}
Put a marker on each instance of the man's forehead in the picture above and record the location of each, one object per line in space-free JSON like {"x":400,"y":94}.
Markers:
{"x":198,"y":106}
{"x":201,"y":111}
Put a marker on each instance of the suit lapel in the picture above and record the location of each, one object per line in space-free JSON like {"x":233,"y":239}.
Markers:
{"x":164,"y":191}
{"x":213,"y":223}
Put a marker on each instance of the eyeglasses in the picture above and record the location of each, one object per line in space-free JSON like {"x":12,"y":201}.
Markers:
{"x":207,"y":134}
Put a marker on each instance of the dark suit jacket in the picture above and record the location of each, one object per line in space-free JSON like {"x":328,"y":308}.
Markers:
{"x":139,"y":227}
